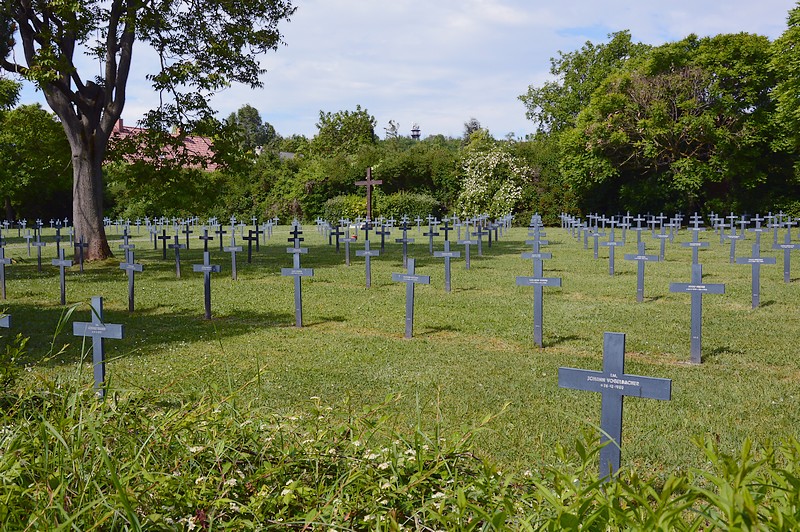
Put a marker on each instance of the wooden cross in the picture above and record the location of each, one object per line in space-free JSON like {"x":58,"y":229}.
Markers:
{"x":369,"y":183}
{"x":614,"y":385}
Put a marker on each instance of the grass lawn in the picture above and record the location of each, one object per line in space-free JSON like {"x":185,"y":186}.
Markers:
{"x":472,"y":352}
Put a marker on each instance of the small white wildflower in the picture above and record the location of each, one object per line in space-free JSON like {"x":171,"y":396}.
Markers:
{"x":231,"y":482}
{"x":356,"y":443}
{"x":373,"y":456}
{"x":286,"y":491}
{"x":438,"y":495}
{"x":196,"y":449}
{"x":200,"y":480}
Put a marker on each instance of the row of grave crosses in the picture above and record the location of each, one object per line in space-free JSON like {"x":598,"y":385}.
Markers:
{"x":696,"y":287}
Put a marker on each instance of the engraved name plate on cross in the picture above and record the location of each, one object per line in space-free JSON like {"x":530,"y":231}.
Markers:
{"x":613,"y":384}
{"x":697,"y":289}
{"x":538,"y":281}
{"x":756,"y":261}
{"x":297,"y":272}
{"x":98,"y":331}
{"x":207,"y":269}
{"x":411,"y":279}
{"x":640,"y":259}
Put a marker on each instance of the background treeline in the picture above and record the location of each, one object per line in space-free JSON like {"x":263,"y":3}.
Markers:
{"x":704,"y":124}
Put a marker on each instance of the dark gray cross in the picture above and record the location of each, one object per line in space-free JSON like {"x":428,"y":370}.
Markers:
{"x":80,"y":245}
{"x":446,"y":227}
{"x":39,"y":244}
{"x":249,"y":238}
{"x":205,"y":238}
{"x":368,"y":253}
{"x":298,"y":273}
{"x":695,"y":244}
{"x":62,"y":264}
{"x":787,"y":248}
{"x":232,"y":249}
{"x":336,"y":233}
{"x":405,"y":241}
{"x":3,"y":262}
{"x":489,"y":227}
{"x":384,"y":231}
{"x":430,"y":234}
{"x":257,"y":231}
{"x":538,"y":281}
{"x":410,"y":279}
{"x":641,"y":258}
{"x":447,"y":255}
{"x":187,"y":231}
{"x":756,"y":261}
{"x":207,"y":268}
{"x":177,"y":246}
{"x":697,"y":289}
{"x":163,"y":237}
{"x":366,"y":227}
{"x":58,"y":240}
{"x":480,"y":233}
{"x":612,"y":245}
{"x":614,"y":384}
{"x":126,"y":246}
{"x":131,"y":267}
{"x":220,"y":232}
{"x":98,"y":332}
{"x":758,"y":229}
{"x":369,"y":183}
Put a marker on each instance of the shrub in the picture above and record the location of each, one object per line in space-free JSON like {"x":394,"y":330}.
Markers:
{"x":406,"y":203}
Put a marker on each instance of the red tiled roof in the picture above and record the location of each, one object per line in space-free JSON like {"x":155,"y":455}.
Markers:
{"x":196,"y":146}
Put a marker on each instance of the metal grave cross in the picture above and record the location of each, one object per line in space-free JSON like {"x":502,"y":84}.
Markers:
{"x":131,"y":267}
{"x":368,"y":253}
{"x":405,"y":241}
{"x":3,"y":262}
{"x":447,"y":255}
{"x":298,"y":273}
{"x":756,"y":261}
{"x":614,"y":384}
{"x":205,"y":238}
{"x":411,"y":279}
{"x":538,"y":281}
{"x":383,"y":231}
{"x":733,"y":237}
{"x":80,"y":245}
{"x":431,"y":233}
{"x":346,"y":241}
{"x":787,"y":248}
{"x":335,"y":234}
{"x":369,"y":183}
{"x":220,"y":232}
{"x":467,"y":243}
{"x":612,"y":244}
{"x":207,"y":269}
{"x":39,"y":244}
{"x":697,"y":289}
{"x":62,"y":264}
{"x":187,"y":231}
{"x":163,"y":237}
{"x":662,"y":236}
{"x":177,"y":246}
{"x":232,"y":249}
{"x":695,"y":244}
{"x":640,"y":258}
{"x":250,"y":238}
{"x":98,"y":332}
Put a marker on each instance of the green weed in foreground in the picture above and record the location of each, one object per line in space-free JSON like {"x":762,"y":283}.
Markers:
{"x":71,"y":462}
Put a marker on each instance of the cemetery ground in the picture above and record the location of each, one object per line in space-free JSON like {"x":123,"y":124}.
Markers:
{"x":472,"y":356}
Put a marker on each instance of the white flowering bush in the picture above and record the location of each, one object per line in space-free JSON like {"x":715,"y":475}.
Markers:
{"x":492,"y":182}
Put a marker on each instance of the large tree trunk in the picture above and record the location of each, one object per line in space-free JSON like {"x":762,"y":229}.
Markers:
{"x":87,"y":201}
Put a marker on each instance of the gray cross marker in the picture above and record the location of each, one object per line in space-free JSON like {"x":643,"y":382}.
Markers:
{"x":695,"y":244}
{"x":177,"y":246}
{"x":39,"y":245}
{"x":697,"y":289}
{"x":298,"y":273}
{"x":663,"y":237}
{"x":733,"y":237}
{"x":80,"y":245}
{"x":640,"y":258}
{"x":98,"y":331}
{"x":612,"y":245}
{"x":410,"y":279}
{"x":62,"y":263}
{"x":467,"y":243}
{"x":538,"y":281}
{"x":447,"y":255}
{"x":755,"y":261}
{"x":131,"y":267}
{"x":346,"y":241}
{"x":787,"y":248}
{"x":207,"y":268}
{"x":614,"y":385}
{"x":405,"y":241}
{"x":232,"y":249}
{"x":368,"y":253}
{"x":3,"y":262}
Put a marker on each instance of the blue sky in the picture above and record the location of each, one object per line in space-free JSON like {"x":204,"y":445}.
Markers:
{"x":441,"y":62}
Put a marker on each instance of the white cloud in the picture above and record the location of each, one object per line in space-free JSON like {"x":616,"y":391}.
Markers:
{"x":441,"y":62}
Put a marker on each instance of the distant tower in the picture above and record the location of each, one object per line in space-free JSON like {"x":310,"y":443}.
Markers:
{"x":415,"y":131}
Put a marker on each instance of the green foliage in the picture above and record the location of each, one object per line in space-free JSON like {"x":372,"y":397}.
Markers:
{"x":254,"y":131}
{"x":556,"y":104}
{"x":785,"y":66}
{"x":9,"y":92}
{"x":410,"y":204}
{"x":350,"y":206}
{"x":9,"y":364}
{"x":343,"y":132}
{"x":35,"y":163}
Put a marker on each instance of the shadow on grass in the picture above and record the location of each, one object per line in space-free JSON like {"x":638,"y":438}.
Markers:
{"x":562,"y":340}
{"x":144,"y":330}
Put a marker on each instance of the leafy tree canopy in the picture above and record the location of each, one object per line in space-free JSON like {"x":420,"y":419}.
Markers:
{"x":343,"y":132}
